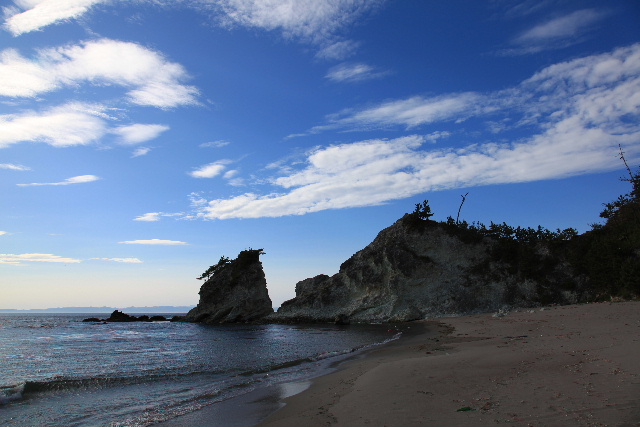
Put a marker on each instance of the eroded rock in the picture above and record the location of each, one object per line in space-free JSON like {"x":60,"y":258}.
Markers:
{"x":235,"y":292}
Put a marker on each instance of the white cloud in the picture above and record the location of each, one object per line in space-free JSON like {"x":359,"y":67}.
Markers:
{"x":556,"y":33}
{"x":210,"y":170}
{"x":152,"y":80}
{"x":232,"y":178}
{"x":141,"y":151}
{"x":40,"y":13}
{"x":580,"y":110}
{"x":215,"y":144}
{"x":307,"y":19}
{"x":311,"y":20}
{"x":63,"y":126}
{"x":318,"y":22}
{"x":411,"y":112}
{"x":2,"y":233}
{"x":123,"y":260}
{"x":149,"y":217}
{"x":154,"y":242}
{"x":70,"y":125}
{"x":14,"y":167}
{"x":20,"y":77}
{"x":155,"y":216}
{"x":353,"y":73}
{"x":139,"y":133}
{"x":74,"y":180}
{"x":230,"y":174}
{"x":338,"y":50}
{"x":13,"y":259}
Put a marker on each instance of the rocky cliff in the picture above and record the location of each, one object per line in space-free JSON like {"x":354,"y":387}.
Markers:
{"x":418,"y":268}
{"x":235,"y":291}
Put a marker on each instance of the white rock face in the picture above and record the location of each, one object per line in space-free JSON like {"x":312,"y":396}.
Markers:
{"x":428,"y":269}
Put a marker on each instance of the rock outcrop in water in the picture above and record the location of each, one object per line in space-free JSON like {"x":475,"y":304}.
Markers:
{"x":119,"y":316}
{"x":235,"y":291}
{"x":418,"y":268}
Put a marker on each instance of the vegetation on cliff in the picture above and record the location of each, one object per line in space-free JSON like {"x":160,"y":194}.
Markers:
{"x":610,"y":253}
{"x":606,"y":259}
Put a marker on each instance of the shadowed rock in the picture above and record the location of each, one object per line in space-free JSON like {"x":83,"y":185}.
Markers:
{"x":417,"y":269}
{"x":236,"y":292}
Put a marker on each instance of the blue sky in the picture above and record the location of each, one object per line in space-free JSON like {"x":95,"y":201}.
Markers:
{"x":140,"y":140}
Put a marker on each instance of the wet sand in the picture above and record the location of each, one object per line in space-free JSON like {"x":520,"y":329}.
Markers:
{"x":560,"y":366}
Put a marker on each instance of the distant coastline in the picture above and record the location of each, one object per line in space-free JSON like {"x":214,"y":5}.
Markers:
{"x":137,"y":310}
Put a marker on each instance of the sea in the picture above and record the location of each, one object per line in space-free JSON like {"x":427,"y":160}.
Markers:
{"x":56,"y":370}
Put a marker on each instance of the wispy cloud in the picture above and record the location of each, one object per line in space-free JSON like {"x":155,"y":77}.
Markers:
{"x":311,"y":21}
{"x":155,"y":216}
{"x":582,"y":110}
{"x":350,"y":72}
{"x":20,"y":259}
{"x":63,"y":126}
{"x":69,"y":125}
{"x":154,"y":242}
{"x":14,"y":167}
{"x":40,"y":13}
{"x":141,"y":151}
{"x":215,"y":144}
{"x":338,"y":50}
{"x":149,"y":217}
{"x":411,"y":112}
{"x":74,"y":180}
{"x":556,"y":33}
{"x":139,"y":133}
{"x":210,"y":170}
{"x":123,"y":260}
{"x":151,"y":79}
{"x":3,"y":233}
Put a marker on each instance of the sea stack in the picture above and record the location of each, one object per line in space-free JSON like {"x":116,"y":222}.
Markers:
{"x":235,"y":291}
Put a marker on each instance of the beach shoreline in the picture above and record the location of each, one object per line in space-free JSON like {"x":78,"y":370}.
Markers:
{"x":554,"y":366}
{"x":251,"y":407}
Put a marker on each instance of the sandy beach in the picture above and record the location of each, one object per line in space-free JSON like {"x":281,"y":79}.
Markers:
{"x":558,"y":366}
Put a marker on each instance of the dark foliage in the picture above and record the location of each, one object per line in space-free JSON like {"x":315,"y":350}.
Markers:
{"x":214,"y":268}
{"x":605,"y":260}
{"x":245,"y":258}
{"x":610,"y":254}
{"x":420,"y":218}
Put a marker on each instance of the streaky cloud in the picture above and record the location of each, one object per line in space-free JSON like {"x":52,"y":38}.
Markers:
{"x":582,"y":110}
{"x":209,"y":170}
{"x":19,"y":259}
{"x":317,"y":22}
{"x":63,"y":126}
{"x":14,"y":167}
{"x":556,"y":33}
{"x":154,"y":242}
{"x":152,"y":80}
{"x":140,"y":151}
{"x":138,"y":133}
{"x":46,"y":12}
{"x":71,"y":124}
{"x":353,"y":72}
{"x":563,"y":27}
{"x":69,"y":181}
{"x":121,"y":260}
{"x":149,"y":217}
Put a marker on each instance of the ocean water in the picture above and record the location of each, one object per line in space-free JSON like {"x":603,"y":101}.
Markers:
{"x":56,"y":370}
